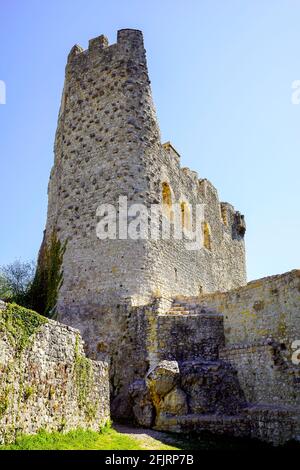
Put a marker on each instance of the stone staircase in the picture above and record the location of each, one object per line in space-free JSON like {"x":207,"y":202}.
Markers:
{"x":189,"y":306}
{"x":185,"y":330}
{"x":195,"y":383}
{"x":208,"y":395}
{"x":178,"y":309}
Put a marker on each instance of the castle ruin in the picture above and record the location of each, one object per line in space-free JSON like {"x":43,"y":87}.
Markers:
{"x":191,"y":345}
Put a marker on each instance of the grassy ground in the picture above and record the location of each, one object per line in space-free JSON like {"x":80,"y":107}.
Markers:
{"x":129,"y":438}
{"x":81,"y":440}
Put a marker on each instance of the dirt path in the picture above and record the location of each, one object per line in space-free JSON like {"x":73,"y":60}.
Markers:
{"x":148,"y":438}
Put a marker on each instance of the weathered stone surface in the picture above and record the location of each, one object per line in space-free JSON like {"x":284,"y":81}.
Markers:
{"x":261,"y":322}
{"x":185,"y":337}
{"x":163,"y":378}
{"x":212,"y":387}
{"x":125,"y":332}
{"x":174,"y":403}
{"x":46,"y":380}
{"x":142,"y":407}
{"x":121,"y":406}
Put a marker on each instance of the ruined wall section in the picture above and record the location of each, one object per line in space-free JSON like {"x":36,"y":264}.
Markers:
{"x":186,"y":337}
{"x":264,"y":308}
{"x":47,"y":382}
{"x":120,"y":335}
{"x":264,"y":374}
{"x":261,"y":323}
{"x":190,"y":272}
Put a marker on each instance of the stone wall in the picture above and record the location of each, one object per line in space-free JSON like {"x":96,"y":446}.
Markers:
{"x":261,"y":322}
{"x":46,"y":380}
{"x":275,"y":426}
{"x":220,"y":265}
{"x":184,"y":337}
{"x":134,"y":339}
{"x":191,"y":331}
{"x":118,"y":335}
{"x":194,"y":383}
{"x":267,"y":307}
{"x":265,"y":374}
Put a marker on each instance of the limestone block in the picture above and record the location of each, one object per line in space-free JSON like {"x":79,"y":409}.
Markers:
{"x":163,"y":378}
{"x":143,"y":409}
{"x":47,"y":382}
{"x":175,"y":403}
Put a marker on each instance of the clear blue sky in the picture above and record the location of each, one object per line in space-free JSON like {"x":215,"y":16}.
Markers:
{"x":221,"y":73}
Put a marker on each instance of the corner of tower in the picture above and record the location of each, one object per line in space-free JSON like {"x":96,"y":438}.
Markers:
{"x":130,"y":37}
{"x":74,"y":52}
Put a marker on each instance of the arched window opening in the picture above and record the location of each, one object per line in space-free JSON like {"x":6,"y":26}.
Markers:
{"x":206,"y":236}
{"x":185,"y":216}
{"x":166,"y":194}
{"x":167,"y":200}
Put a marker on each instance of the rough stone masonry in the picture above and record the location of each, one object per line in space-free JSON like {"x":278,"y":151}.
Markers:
{"x":191,"y":345}
{"x":46,"y":380}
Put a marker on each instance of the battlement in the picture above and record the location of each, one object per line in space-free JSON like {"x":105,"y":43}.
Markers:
{"x":207,"y":187}
{"x":133,"y":37}
{"x":233,"y":221}
{"x":171,"y":152}
{"x":127,"y":40}
{"x":98,"y":43}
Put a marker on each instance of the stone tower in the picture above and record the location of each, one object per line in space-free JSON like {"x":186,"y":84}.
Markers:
{"x":108,"y":145}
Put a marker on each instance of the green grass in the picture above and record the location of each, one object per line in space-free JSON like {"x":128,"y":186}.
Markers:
{"x":110,"y":439}
{"x":75,"y":440}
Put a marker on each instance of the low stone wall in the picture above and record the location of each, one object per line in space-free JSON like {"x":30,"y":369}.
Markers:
{"x":46,"y":380}
{"x":261,"y":323}
{"x":197,"y":396}
{"x":268,"y":307}
{"x":264,"y":373}
{"x":275,"y":426}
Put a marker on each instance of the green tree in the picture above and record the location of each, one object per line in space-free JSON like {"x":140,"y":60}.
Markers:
{"x":5,"y":293}
{"x":15,"y":280}
{"x":43,"y":292}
